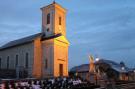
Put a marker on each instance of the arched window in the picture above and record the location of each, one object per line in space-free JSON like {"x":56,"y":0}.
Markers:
{"x":16,"y":62}
{"x":26,"y":60}
{"x":48,"y":18}
{"x":46,"y":63}
{"x":59,"y":20}
{"x":8,"y":62}
{"x":0,"y":63}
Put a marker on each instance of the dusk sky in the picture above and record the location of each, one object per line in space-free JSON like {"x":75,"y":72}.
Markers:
{"x":103,"y":28}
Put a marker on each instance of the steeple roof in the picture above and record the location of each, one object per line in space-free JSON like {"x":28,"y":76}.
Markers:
{"x":54,"y":4}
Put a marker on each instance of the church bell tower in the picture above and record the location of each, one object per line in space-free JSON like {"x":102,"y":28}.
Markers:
{"x":53,"y":20}
{"x":54,"y":49}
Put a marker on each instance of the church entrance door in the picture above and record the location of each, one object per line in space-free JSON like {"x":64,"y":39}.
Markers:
{"x":61,"y":69}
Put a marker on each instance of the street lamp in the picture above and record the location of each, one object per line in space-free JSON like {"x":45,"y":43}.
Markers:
{"x":123,"y":68}
{"x":97,"y":59}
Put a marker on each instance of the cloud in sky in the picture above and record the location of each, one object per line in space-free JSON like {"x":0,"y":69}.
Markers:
{"x":104,"y":28}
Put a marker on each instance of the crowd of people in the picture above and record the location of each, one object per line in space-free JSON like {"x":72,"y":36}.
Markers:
{"x":51,"y":83}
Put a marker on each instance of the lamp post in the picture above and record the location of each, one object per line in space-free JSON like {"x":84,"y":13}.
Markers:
{"x":97,"y":72}
{"x":123,"y":68}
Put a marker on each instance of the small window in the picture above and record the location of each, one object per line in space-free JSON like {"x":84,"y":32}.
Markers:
{"x":46,"y":63}
{"x":8,"y":62}
{"x":48,"y":29}
{"x":48,"y":18}
{"x":59,"y":20}
{"x":26,"y":60}
{"x":0,"y":63}
{"x":16,"y":62}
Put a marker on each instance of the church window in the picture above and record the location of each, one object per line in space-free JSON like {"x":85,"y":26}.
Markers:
{"x":0,"y":63}
{"x":46,"y":63}
{"x":48,"y":18}
{"x":26,"y":60}
{"x":59,"y":20}
{"x":48,"y":29}
{"x":16,"y":62}
{"x":8,"y":62}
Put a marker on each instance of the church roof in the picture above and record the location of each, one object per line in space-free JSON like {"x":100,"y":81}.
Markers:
{"x":54,"y":3}
{"x":116,"y":66}
{"x":81,"y":68}
{"x":20,"y":41}
{"x":27,"y":40}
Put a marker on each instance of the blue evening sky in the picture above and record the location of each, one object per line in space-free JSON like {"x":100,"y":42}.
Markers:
{"x":103,"y":28}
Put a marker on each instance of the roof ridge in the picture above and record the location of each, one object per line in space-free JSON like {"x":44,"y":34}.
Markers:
{"x":27,"y":39}
{"x":19,"y":41}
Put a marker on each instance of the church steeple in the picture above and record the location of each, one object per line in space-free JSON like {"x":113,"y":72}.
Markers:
{"x":53,"y":19}
{"x":54,"y":1}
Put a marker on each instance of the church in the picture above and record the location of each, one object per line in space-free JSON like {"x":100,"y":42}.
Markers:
{"x":44,"y":54}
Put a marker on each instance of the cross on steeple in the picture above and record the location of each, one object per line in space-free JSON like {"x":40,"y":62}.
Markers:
{"x":53,"y":1}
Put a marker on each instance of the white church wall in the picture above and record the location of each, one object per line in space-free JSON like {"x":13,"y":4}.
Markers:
{"x":21,"y":51}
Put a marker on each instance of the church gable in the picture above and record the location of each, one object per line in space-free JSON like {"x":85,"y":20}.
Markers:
{"x":62,"y":39}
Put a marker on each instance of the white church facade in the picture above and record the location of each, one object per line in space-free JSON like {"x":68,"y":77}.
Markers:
{"x":44,"y":54}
